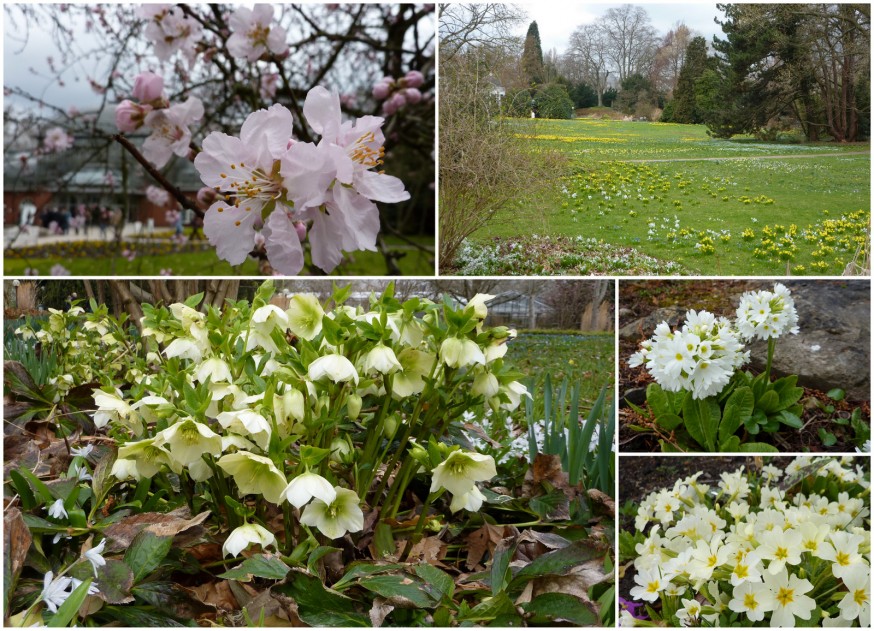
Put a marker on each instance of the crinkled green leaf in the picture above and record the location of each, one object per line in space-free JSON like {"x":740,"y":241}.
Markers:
{"x":146,"y":552}
{"x":400,"y":588}
{"x":319,"y":606}
{"x":259,"y":565}
{"x":554,"y":607}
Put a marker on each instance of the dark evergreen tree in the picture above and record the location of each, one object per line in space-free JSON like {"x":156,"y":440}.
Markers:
{"x":532,"y":56}
{"x":684,"y":107}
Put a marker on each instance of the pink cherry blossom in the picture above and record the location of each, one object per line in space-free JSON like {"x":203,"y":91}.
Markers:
{"x":171,"y":31}
{"x":57,"y":140}
{"x":170,"y":133}
{"x":282,"y":242}
{"x":252,"y":34}
{"x":346,"y":222}
{"x":130,"y":116}
{"x":245,"y":169}
{"x":148,"y":87}
{"x":158,"y":196}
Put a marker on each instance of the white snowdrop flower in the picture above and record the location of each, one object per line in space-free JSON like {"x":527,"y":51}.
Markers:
{"x":57,"y":510}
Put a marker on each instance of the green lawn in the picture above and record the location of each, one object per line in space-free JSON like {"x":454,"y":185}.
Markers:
{"x":204,"y":263}
{"x":585,"y":358}
{"x":725,"y":215}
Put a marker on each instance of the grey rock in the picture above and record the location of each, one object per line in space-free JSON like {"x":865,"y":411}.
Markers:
{"x":643,"y":328}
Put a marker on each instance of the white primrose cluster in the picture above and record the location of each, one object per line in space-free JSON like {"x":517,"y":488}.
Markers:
{"x":765,"y":315}
{"x":700,"y":358}
{"x":757,"y":550}
{"x":704,"y":354}
{"x":269,"y":376}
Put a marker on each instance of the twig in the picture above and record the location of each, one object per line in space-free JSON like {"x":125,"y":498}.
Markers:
{"x":157,"y":175}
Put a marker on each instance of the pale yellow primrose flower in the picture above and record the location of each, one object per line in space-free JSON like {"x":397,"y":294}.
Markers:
{"x":337,"y":518}
{"x":254,"y":474}
{"x":461,"y":470}
{"x":305,"y":315}
{"x":244,"y":536}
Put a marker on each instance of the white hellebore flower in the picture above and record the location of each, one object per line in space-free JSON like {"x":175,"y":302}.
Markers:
{"x":148,"y":455}
{"x":461,"y":470}
{"x":381,"y":359}
{"x":305,"y":487}
{"x":478,"y":304}
{"x":247,"y":423}
{"x":95,"y":556}
{"x":254,"y":474}
{"x":305,"y":315}
{"x":335,"y":367}
{"x":244,"y":536}
{"x":486,"y":384}
{"x":215,"y":369}
{"x":460,"y":352}
{"x":54,"y":591}
{"x":337,"y":518}
{"x":57,"y":509}
{"x":110,"y":407}
{"x":471,"y":501}
{"x":188,"y":440}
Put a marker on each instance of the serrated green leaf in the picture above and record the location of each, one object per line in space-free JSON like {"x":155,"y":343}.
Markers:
{"x":400,"y":588}
{"x":261,"y":566}
{"x":500,"y":567}
{"x":319,"y":606}
{"x":146,"y":552}
{"x":438,"y":583}
{"x":556,"y":563}
{"x":557,"y":607}
{"x":490,"y":608}
{"x":114,"y":580}
{"x":364,"y":568}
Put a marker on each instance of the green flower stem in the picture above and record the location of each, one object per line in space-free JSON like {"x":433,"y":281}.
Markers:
{"x":772,"y":344}
{"x":420,"y":525}
{"x":220,"y":490}
{"x":288,"y":523}
{"x":373,"y":439}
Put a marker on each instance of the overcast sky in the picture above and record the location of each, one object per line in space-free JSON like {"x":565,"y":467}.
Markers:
{"x":557,"y":20}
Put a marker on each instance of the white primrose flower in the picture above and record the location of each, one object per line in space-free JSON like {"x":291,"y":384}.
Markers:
{"x":336,"y":518}
{"x":856,"y":603}
{"x":335,"y":367}
{"x":305,"y":315}
{"x":649,"y":584}
{"x":381,"y":359}
{"x":752,"y":599}
{"x":842,"y":551}
{"x":690,"y":611}
{"x":767,"y":315}
{"x":188,"y":440}
{"x":789,"y":599}
{"x":254,"y":475}
{"x":95,"y":556}
{"x":244,"y":536}
{"x":461,"y":470}
{"x":781,"y":548}
{"x":305,"y":487}
{"x":54,"y":591}
{"x":57,"y":509}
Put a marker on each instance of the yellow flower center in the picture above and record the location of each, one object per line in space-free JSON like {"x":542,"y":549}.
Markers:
{"x":860,"y":596}
{"x":363,"y":153}
{"x":781,"y":553}
{"x":750,"y":602}
{"x":652,"y":587}
{"x":786,"y":596}
{"x":842,"y":558}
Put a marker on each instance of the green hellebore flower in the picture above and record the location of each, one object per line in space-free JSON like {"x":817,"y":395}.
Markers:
{"x":148,"y":455}
{"x":188,"y":440}
{"x":337,"y":518}
{"x":414,"y":366}
{"x":486,"y":384}
{"x":381,"y":359}
{"x":305,"y":315}
{"x":461,"y":470}
{"x":254,"y":474}
{"x":458,"y":353}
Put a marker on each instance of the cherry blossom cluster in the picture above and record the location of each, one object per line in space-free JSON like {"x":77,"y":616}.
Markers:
{"x":57,"y":140}
{"x":396,"y":93}
{"x":169,"y":123}
{"x":755,"y":549}
{"x":277,"y":191}
{"x":699,"y":358}
{"x":170,"y":31}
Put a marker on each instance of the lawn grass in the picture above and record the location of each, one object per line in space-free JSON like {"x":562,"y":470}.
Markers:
{"x":585,"y":358}
{"x":798,"y":215}
{"x":206,"y":263}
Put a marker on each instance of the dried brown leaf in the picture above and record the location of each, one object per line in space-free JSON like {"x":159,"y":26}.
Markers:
{"x":122,"y":533}
{"x":381,"y":608}
{"x":16,"y":543}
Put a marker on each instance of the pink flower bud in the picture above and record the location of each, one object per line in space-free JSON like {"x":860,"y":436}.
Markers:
{"x":412,"y":95}
{"x":389,"y":107}
{"x":207,"y":195}
{"x":381,"y":91}
{"x":399,"y":100}
{"x":129,"y":116}
{"x":414,"y":79}
{"x":301,"y":229}
{"x":148,"y":86}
